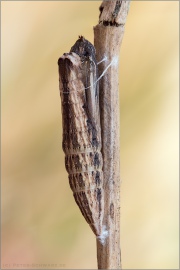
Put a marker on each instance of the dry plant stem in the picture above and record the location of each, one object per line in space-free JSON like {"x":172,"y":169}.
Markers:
{"x":108,"y":35}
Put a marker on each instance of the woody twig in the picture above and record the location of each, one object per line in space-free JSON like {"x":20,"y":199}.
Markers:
{"x":108,"y":35}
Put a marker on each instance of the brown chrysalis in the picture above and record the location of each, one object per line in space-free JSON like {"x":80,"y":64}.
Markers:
{"x":81,"y":129}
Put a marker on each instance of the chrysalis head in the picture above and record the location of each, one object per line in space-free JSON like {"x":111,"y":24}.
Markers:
{"x":83,"y":47}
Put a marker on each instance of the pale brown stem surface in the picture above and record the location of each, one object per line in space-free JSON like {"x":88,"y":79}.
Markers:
{"x":108,"y":35}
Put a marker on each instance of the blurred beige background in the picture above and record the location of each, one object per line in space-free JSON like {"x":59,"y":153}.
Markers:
{"x":41,"y":223}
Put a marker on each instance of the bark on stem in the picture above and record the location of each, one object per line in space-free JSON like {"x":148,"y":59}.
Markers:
{"x":108,"y":35}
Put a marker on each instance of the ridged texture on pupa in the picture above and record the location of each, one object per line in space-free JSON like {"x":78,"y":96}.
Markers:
{"x":81,"y":130}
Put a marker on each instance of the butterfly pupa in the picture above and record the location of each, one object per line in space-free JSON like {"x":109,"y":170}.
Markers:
{"x":81,"y":130}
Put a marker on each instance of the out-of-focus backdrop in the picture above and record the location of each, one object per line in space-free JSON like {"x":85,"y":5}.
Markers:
{"x":42,"y":226}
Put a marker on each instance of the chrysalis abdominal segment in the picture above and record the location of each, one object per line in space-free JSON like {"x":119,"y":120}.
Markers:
{"x":81,"y":130}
